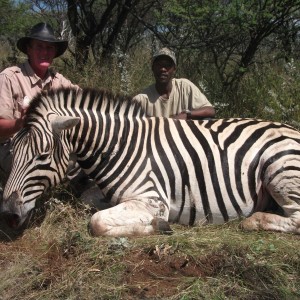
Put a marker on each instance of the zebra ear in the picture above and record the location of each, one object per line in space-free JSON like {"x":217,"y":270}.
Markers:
{"x":60,"y":123}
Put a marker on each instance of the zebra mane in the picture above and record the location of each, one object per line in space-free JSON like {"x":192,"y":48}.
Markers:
{"x":63,"y":99}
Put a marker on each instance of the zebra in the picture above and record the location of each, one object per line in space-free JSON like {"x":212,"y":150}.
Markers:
{"x":156,"y":171}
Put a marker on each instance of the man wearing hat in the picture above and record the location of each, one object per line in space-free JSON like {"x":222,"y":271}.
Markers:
{"x":170,"y":97}
{"x":19,"y":84}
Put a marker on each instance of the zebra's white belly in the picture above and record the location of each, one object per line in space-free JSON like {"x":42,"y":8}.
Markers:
{"x":201,"y":218}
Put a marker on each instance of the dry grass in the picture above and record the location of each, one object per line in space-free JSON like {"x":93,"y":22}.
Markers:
{"x":57,"y":259}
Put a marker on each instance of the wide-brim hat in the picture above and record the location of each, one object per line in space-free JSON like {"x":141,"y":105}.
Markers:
{"x":164,"y":52}
{"x":42,"y":32}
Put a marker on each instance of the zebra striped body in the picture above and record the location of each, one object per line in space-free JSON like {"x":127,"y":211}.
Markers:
{"x":189,"y":172}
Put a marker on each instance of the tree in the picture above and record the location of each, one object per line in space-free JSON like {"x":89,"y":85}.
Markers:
{"x":103,"y":26}
{"x":230,"y":33}
{"x":94,"y":26}
{"x":14,"y":18}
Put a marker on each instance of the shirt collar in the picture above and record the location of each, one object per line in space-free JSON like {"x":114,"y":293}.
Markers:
{"x":34,"y":78}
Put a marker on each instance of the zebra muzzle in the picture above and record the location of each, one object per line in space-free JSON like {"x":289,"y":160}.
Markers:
{"x":11,"y":210}
{"x":12,"y":220}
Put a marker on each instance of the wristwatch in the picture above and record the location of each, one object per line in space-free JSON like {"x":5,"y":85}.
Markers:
{"x":188,"y":114}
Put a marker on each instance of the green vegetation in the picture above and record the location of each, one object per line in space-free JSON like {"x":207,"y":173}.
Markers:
{"x":243,"y":54}
{"x":268,"y":92}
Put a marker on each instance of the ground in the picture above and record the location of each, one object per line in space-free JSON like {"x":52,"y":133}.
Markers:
{"x":159,"y":271}
{"x":56,"y":258}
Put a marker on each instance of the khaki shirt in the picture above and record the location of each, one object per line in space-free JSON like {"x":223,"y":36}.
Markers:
{"x":184,"y":95}
{"x":20,"y":81}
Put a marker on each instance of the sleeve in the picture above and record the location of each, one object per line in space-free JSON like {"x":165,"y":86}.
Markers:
{"x":6,"y":97}
{"x":143,"y":100}
{"x":64,"y":82}
{"x":138,"y":98}
{"x":196,"y":98}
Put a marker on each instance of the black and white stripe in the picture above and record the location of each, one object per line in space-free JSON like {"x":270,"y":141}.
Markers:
{"x":202,"y":171}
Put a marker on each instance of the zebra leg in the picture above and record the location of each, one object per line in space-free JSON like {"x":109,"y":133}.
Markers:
{"x":272,"y":222}
{"x":132,"y":217}
{"x":285,"y":191}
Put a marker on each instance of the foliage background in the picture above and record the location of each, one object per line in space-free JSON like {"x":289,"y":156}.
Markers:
{"x":242,"y":54}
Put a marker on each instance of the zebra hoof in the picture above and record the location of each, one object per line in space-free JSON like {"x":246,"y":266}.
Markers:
{"x":90,"y":230}
{"x":253,"y":222}
{"x":161,"y":226}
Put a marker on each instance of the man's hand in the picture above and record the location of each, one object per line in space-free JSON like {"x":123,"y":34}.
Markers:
{"x":182,"y":116}
{"x":20,"y":121}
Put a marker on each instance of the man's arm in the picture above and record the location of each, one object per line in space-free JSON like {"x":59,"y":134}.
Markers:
{"x":205,"y":112}
{"x":196,"y":105}
{"x":202,"y":113}
{"x":10,"y":127}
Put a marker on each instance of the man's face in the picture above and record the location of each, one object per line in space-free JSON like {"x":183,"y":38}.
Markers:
{"x":41,"y":54}
{"x":163,"y":69}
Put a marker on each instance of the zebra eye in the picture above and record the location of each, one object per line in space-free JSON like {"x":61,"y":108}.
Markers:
{"x":42,"y":156}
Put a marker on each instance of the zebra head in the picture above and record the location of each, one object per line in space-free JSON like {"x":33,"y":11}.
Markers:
{"x":40,"y":160}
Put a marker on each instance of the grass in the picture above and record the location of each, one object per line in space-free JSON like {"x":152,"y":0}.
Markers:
{"x":58,"y":259}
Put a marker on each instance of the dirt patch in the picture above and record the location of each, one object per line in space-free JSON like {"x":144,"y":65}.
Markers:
{"x":163,"y":271}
